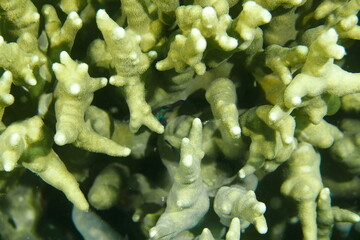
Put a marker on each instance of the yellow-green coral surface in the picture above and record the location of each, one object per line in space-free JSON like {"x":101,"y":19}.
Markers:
{"x":179,"y":119}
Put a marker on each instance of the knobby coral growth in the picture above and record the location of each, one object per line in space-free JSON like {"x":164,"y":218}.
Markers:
{"x":220,"y":116}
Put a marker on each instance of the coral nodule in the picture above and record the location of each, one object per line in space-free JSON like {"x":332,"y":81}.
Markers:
{"x":179,"y":120}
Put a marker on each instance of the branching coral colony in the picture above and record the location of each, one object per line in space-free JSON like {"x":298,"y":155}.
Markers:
{"x":168,"y":119}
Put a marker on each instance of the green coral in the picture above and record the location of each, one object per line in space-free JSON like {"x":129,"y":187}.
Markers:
{"x":220,"y":116}
{"x":28,"y":143}
{"x":187,"y":201}
{"x":74,"y":93}
{"x":6,"y":98}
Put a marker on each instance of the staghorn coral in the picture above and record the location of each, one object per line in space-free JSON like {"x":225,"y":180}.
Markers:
{"x":27,"y":142}
{"x":74,"y":93}
{"x":187,"y":201}
{"x":220,"y":117}
{"x":6,"y":98}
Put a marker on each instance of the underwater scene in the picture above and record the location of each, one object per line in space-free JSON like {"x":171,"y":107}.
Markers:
{"x":179,"y":120}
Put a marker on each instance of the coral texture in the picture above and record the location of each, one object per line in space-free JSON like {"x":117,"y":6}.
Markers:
{"x":169,"y":119}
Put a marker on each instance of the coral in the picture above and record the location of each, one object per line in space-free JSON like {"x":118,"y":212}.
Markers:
{"x":19,"y":16}
{"x":187,"y":201}
{"x":327,"y":215}
{"x":74,"y":93}
{"x":185,"y":51}
{"x":61,"y":38}
{"x":130,"y":62}
{"x":232,"y":234}
{"x":92,"y":226}
{"x":138,"y":19}
{"x":184,"y":120}
{"x":19,"y":214}
{"x":303,"y":184}
{"x":248,"y":22}
{"x":28,"y":143}
{"x":6,"y":98}
{"x":206,"y":21}
{"x":236,"y":202}
{"x":106,"y":189}
{"x":20,"y":63}
{"x":223,"y":106}
{"x":319,"y":70}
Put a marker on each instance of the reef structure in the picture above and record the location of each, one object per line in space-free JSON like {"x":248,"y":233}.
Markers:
{"x":168,"y":119}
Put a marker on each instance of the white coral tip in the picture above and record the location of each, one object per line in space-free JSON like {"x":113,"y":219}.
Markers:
{"x":9,"y":160}
{"x":339,"y":52}
{"x":9,"y":166}
{"x":262,"y":229}
{"x":296,"y":2}
{"x":288,"y":140}
{"x":324,"y":194}
{"x":200,"y":45}
{"x":242,"y":173}
{"x":75,"y":18}
{"x":56,"y":67}
{"x":260,"y":208}
{"x":126,"y":151}
{"x":331,"y":34}
{"x":75,"y":88}
{"x":64,"y":57}
{"x":286,"y":78}
{"x":7,"y":75}
{"x":136,"y":217}
{"x":103,"y":81}
{"x":118,"y":33}
{"x":36,"y":16}
{"x":14,"y":139}
{"x":195,"y":32}
{"x":153,"y":232}
{"x":235,"y":131}
{"x":35,"y":59}
{"x":83,"y":67}
{"x":101,"y":13}
{"x":247,"y":35}
{"x":296,"y":100}
{"x":73,"y":15}
{"x":46,"y":10}
{"x":232,"y":43}
{"x":206,"y":231}
{"x":112,"y":80}
{"x":152,"y":54}
{"x":249,"y":4}
{"x":7,"y":99}
{"x":185,"y":140}
{"x":265,"y":16}
{"x":60,"y":138}
{"x":274,"y":116}
{"x":302,"y":50}
{"x":188,"y":161}
{"x":209,"y":11}
{"x":197,"y":122}
{"x":31,"y":81}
